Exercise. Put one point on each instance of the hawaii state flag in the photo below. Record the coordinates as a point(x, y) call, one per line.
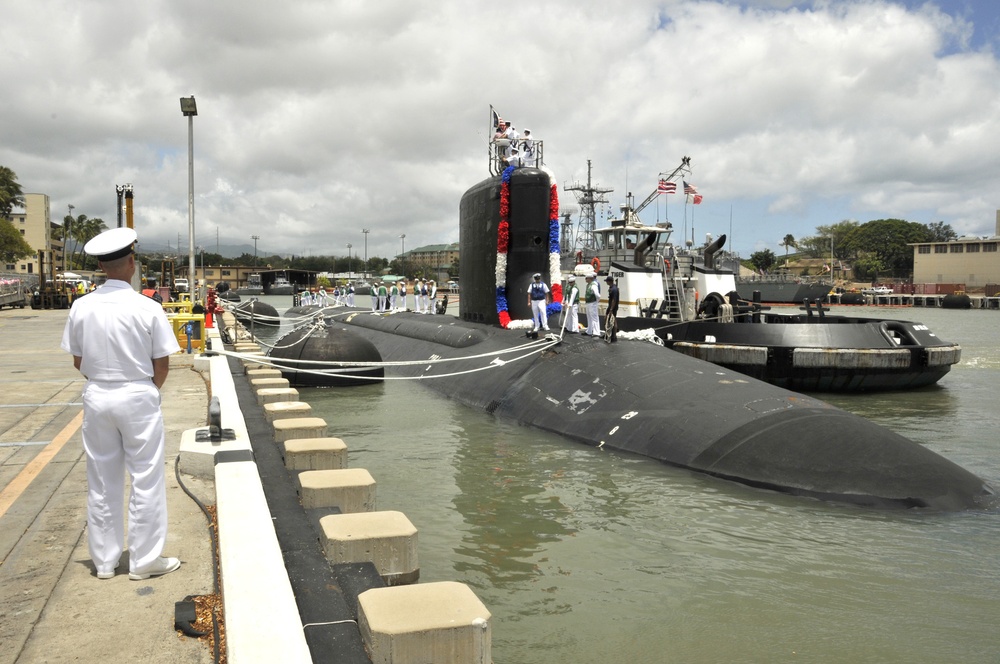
point(666, 187)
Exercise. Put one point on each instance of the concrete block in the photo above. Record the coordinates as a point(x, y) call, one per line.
point(386, 539)
point(246, 347)
point(202, 363)
point(273, 394)
point(315, 454)
point(197, 458)
point(299, 427)
point(263, 373)
point(350, 489)
point(280, 410)
point(261, 383)
point(431, 622)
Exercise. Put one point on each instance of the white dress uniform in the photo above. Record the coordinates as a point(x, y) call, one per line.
point(117, 333)
point(432, 292)
point(402, 296)
point(572, 306)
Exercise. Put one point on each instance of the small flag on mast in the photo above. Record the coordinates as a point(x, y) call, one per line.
point(666, 187)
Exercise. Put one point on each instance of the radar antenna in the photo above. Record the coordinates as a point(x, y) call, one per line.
point(587, 196)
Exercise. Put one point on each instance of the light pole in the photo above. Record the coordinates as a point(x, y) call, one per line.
point(189, 109)
point(402, 251)
point(364, 272)
point(350, 262)
point(255, 238)
point(66, 233)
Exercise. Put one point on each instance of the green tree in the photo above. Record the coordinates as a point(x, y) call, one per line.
point(12, 245)
point(788, 241)
point(887, 240)
point(941, 232)
point(11, 195)
point(763, 260)
point(819, 246)
point(84, 230)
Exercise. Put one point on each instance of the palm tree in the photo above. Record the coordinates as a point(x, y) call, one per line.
point(84, 230)
point(789, 241)
point(11, 195)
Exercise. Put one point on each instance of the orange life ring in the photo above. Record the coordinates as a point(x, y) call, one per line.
point(666, 264)
point(596, 263)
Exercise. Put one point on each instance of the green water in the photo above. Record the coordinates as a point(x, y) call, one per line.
point(594, 556)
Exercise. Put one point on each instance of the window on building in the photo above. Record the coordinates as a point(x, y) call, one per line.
point(210, 273)
point(226, 273)
point(956, 248)
point(972, 248)
point(940, 248)
point(989, 246)
point(10, 266)
point(22, 231)
point(31, 268)
point(924, 249)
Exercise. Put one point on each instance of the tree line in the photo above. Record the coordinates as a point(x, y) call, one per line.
point(875, 249)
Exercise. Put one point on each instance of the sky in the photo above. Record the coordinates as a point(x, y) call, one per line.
point(318, 119)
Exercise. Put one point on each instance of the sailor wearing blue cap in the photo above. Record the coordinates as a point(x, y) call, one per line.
point(538, 297)
point(121, 342)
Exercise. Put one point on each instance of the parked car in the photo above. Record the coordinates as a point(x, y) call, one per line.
point(877, 290)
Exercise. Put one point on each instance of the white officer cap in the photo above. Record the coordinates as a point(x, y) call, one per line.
point(536, 275)
point(112, 244)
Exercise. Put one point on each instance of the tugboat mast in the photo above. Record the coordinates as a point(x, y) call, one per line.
point(587, 196)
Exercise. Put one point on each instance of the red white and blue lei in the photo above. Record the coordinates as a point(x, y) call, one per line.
point(503, 243)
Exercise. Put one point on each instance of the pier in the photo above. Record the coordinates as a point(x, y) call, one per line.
point(311, 569)
point(908, 300)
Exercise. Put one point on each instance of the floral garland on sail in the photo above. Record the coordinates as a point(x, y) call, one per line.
point(503, 244)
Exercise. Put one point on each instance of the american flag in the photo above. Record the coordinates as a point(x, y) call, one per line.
point(689, 188)
point(666, 187)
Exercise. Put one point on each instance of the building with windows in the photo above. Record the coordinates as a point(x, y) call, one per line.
point(972, 261)
point(432, 261)
point(35, 226)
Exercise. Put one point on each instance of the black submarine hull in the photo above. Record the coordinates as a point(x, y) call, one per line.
point(679, 410)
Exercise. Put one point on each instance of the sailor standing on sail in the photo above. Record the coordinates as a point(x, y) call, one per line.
point(350, 294)
point(402, 295)
point(421, 297)
point(432, 292)
point(121, 342)
point(374, 289)
point(592, 296)
point(383, 296)
point(538, 299)
point(393, 296)
point(572, 304)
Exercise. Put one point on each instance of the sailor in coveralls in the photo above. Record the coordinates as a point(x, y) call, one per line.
point(538, 296)
point(592, 296)
point(121, 342)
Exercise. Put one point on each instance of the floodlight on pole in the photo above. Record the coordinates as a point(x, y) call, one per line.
point(189, 109)
point(350, 260)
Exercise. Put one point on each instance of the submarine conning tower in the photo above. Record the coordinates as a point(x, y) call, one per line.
point(527, 247)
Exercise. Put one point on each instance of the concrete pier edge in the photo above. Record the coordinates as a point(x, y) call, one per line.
point(323, 592)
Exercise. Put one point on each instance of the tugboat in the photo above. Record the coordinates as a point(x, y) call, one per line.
point(281, 286)
point(253, 287)
point(695, 307)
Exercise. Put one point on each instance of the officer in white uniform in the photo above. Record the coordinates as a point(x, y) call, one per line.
point(121, 342)
point(592, 297)
point(432, 292)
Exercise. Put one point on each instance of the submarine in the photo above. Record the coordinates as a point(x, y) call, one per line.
point(632, 396)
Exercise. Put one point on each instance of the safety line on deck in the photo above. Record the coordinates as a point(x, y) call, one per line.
point(13, 491)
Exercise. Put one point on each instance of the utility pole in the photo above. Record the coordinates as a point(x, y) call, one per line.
point(66, 234)
point(364, 272)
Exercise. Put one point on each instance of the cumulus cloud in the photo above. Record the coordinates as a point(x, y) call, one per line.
point(319, 118)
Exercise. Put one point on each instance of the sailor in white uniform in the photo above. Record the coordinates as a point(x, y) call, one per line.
point(592, 297)
point(538, 300)
point(432, 292)
point(571, 305)
point(121, 342)
point(402, 295)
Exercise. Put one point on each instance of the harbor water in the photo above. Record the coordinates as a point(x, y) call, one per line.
point(586, 555)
